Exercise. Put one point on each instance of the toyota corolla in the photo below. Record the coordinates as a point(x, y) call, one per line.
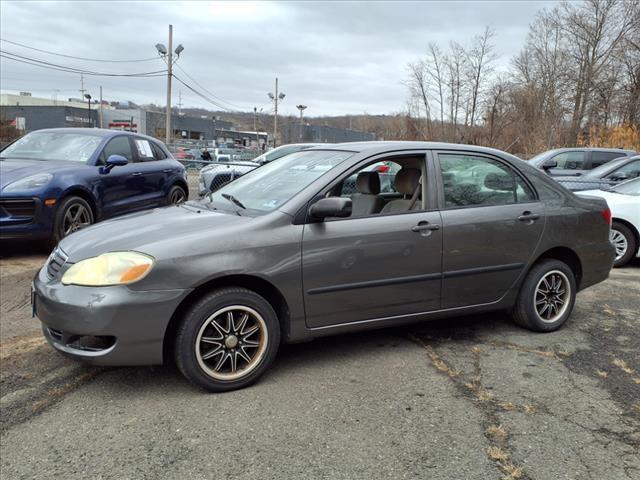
point(285, 253)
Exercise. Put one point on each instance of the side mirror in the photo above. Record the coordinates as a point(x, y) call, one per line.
point(618, 177)
point(113, 161)
point(331, 207)
point(549, 163)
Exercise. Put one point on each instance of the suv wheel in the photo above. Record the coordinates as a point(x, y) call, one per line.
point(623, 239)
point(227, 340)
point(73, 214)
point(177, 195)
point(547, 296)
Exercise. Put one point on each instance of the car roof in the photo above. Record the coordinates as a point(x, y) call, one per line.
point(381, 146)
point(101, 132)
point(622, 151)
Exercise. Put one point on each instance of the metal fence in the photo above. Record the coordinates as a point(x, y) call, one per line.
point(579, 184)
point(219, 173)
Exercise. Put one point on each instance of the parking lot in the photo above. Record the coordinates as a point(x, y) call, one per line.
point(469, 397)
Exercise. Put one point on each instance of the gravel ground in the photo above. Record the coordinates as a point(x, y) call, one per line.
point(466, 398)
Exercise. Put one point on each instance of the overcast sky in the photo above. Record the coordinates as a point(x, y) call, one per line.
point(337, 58)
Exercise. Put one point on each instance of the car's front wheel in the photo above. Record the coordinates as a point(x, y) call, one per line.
point(547, 296)
point(176, 195)
point(73, 214)
point(624, 241)
point(227, 340)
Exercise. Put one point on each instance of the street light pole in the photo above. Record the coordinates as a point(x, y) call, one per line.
point(275, 98)
point(301, 108)
point(88, 97)
point(169, 75)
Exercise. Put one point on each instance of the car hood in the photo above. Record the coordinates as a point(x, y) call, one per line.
point(12, 169)
point(160, 232)
point(228, 166)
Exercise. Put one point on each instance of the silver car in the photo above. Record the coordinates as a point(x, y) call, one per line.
point(286, 254)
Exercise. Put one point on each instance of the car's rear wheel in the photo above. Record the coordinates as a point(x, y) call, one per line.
point(227, 340)
point(177, 195)
point(547, 296)
point(73, 214)
point(624, 241)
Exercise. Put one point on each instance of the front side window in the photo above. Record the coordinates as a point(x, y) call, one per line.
point(570, 160)
point(270, 186)
point(630, 170)
point(471, 181)
point(117, 146)
point(144, 149)
point(76, 147)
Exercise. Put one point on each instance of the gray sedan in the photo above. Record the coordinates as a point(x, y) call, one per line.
point(285, 253)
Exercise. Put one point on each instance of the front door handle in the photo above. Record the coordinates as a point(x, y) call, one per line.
point(167, 170)
point(136, 174)
point(528, 217)
point(425, 228)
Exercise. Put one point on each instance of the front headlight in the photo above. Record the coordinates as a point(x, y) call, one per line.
point(29, 183)
point(113, 268)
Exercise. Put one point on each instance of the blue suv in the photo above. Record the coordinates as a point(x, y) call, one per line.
point(56, 181)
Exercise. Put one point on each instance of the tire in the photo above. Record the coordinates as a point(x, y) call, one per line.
point(625, 242)
point(68, 209)
point(176, 195)
point(201, 364)
point(529, 311)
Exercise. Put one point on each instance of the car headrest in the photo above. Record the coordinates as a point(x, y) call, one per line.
point(447, 179)
point(368, 183)
point(497, 181)
point(407, 179)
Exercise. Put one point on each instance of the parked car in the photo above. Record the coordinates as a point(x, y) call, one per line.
point(228, 168)
point(56, 181)
point(282, 253)
point(183, 153)
point(217, 174)
point(624, 202)
point(283, 150)
point(573, 162)
point(604, 176)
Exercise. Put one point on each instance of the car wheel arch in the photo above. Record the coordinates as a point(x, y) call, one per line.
point(566, 255)
point(182, 184)
point(254, 283)
point(630, 226)
point(86, 196)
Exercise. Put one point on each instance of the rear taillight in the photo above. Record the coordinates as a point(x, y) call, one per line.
point(606, 213)
point(382, 168)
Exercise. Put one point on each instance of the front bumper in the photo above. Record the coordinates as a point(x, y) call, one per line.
point(128, 326)
point(22, 217)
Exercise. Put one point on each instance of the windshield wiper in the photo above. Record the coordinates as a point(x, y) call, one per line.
point(233, 200)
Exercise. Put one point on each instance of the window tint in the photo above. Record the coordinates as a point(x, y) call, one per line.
point(158, 153)
point(600, 158)
point(117, 146)
point(631, 170)
point(570, 160)
point(470, 180)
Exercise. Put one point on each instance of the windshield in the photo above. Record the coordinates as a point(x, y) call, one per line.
point(603, 169)
point(77, 147)
point(632, 187)
point(266, 188)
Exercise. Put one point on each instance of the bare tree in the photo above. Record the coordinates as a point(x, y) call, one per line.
point(480, 58)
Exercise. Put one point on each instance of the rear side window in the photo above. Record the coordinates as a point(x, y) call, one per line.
point(600, 158)
point(117, 146)
point(473, 181)
point(570, 160)
point(158, 153)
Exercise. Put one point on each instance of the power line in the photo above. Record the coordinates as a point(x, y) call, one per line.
point(63, 68)
point(202, 95)
point(207, 91)
point(77, 58)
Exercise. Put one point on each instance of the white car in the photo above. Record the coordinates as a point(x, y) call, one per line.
point(624, 202)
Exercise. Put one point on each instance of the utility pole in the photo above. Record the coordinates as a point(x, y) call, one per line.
point(255, 127)
point(275, 98)
point(169, 75)
point(179, 102)
point(82, 90)
point(88, 97)
point(301, 108)
point(101, 107)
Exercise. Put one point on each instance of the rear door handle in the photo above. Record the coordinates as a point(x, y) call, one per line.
point(136, 174)
point(528, 217)
point(425, 228)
